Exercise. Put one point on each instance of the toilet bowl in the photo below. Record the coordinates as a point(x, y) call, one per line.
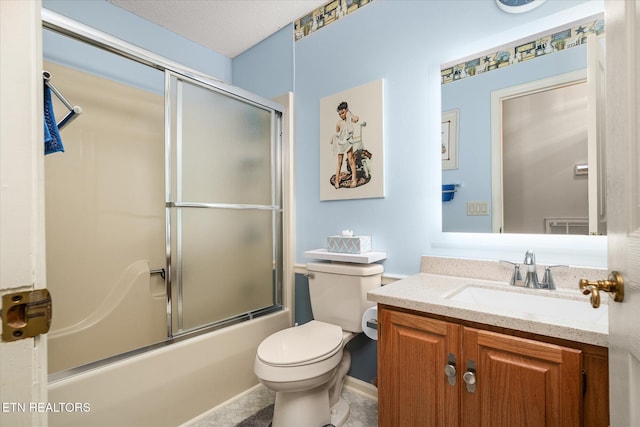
point(299, 364)
point(306, 365)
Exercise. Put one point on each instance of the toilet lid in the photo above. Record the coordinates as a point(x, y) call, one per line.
point(302, 344)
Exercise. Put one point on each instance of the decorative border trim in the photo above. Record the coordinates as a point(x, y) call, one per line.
point(547, 44)
point(325, 15)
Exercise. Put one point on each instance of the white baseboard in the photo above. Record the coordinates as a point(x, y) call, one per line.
point(362, 387)
point(353, 384)
point(221, 405)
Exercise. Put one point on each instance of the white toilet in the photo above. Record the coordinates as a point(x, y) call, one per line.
point(306, 365)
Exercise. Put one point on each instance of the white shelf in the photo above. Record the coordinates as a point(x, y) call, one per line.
point(365, 258)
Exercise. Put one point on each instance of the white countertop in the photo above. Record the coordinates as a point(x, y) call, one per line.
point(430, 293)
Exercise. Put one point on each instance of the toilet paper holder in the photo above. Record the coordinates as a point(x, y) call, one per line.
point(373, 323)
point(370, 322)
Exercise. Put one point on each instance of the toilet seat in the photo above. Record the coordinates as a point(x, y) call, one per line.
point(303, 345)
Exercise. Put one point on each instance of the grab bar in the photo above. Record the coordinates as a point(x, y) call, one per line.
point(159, 271)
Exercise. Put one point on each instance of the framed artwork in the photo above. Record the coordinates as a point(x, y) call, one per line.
point(351, 143)
point(449, 136)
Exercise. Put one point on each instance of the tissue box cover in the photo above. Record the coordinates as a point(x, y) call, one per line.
point(349, 245)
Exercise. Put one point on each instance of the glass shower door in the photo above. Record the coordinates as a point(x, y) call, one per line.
point(224, 212)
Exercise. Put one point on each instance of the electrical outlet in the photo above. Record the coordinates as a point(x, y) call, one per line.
point(477, 208)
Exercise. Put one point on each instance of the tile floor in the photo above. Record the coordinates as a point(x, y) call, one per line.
point(364, 409)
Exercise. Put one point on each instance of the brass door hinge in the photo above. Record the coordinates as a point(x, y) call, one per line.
point(25, 314)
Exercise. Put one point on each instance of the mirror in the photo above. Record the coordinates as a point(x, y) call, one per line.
point(521, 136)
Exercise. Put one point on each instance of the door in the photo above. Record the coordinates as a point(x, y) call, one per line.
point(623, 131)
point(23, 363)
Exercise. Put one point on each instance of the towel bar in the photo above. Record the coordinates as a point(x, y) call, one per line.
point(74, 111)
point(159, 271)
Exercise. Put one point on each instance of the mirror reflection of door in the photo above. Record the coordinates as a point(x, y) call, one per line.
point(544, 161)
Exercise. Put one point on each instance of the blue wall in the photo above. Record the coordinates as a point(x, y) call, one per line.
point(267, 68)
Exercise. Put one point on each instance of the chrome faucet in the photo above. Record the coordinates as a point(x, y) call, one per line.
point(531, 279)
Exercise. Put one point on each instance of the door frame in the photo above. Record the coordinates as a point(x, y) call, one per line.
point(23, 363)
point(623, 225)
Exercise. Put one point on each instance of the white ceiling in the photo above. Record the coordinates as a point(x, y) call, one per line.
point(228, 27)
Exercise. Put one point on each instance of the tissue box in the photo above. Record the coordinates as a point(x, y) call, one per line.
point(349, 245)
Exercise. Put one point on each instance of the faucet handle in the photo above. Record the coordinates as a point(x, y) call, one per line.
point(509, 262)
point(515, 276)
point(547, 279)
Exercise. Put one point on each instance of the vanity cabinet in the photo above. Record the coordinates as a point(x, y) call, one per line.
point(436, 371)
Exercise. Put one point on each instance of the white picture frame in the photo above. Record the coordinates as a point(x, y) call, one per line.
point(449, 139)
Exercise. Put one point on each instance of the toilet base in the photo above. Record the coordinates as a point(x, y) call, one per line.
point(340, 413)
point(308, 408)
point(311, 406)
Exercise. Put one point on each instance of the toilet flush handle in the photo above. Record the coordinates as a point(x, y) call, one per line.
point(310, 276)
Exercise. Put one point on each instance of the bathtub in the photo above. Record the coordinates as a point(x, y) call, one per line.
point(167, 386)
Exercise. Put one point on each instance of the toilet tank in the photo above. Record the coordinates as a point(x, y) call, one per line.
point(338, 292)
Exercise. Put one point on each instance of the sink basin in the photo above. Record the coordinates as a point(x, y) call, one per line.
point(539, 305)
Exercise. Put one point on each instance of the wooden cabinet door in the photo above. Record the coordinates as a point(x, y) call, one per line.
point(412, 386)
point(520, 382)
point(595, 401)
